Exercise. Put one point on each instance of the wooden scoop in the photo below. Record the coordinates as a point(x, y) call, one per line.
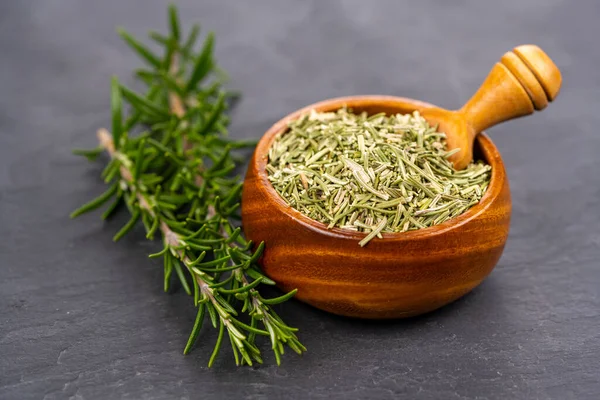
point(408, 273)
point(524, 80)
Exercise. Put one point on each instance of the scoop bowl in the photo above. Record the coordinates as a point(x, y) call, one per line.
point(400, 275)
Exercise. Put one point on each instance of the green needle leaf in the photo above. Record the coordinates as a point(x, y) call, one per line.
point(136, 114)
point(280, 299)
point(195, 234)
point(168, 267)
point(196, 329)
point(170, 47)
point(128, 226)
point(257, 253)
point(212, 313)
point(221, 161)
point(113, 207)
point(251, 272)
point(139, 159)
point(251, 329)
point(220, 269)
point(160, 253)
point(97, 202)
point(158, 38)
point(223, 283)
point(116, 107)
point(234, 235)
point(233, 195)
point(234, 348)
point(191, 40)
point(170, 82)
point(245, 355)
point(252, 335)
point(182, 278)
point(203, 63)
point(139, 48)
point(197, 260)
point(242, 289)
point(277, 357)
point(212, 263)
point(273, 335)
point(142, 103)
point(111, 171)
point(196, 289)
point(89, 154)
point(197, 247)
point(165, 150)
point(153, 228)
point(213, 117)
point(215, 352)
point(174, 21)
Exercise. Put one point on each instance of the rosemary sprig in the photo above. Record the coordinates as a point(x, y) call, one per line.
point(177, 177)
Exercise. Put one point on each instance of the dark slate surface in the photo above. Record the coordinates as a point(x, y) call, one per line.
point(83, 318)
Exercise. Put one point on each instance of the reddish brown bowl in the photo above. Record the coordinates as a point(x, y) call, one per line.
point(401, 275)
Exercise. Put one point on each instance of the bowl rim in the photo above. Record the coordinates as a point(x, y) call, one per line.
point(259, 162)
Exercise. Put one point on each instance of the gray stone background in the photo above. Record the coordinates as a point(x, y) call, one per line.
point(83, 318)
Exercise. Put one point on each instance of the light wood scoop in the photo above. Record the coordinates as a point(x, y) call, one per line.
point(524, 80)
point(408, 273)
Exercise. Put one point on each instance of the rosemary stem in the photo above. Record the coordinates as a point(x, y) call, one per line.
point(170, 238)
point(177, 177)
point(178, 108)
point(175, 102)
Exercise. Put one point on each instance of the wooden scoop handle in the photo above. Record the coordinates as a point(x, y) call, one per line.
point(524, 80)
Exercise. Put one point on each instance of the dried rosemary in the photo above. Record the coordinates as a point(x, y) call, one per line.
point(372, 174)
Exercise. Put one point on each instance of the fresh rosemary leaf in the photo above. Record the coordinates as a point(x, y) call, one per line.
point(203, 64)
point(212, 263)
point(153, 228)
point(192, 37)
point(115, 102)
point(89, 154)
point(226, 282)
point(143, 104)
point(110, 210)
point(159, 38)
point(170, 81)
point(214, 116)
point(219, 269)
point(251, 329)
point(174, 22)
point(280, 299)
point(168, 270)
point(139, 160)
point(215, 352)
point(221, 161)
point(212, 313)
point(257, 253)
point(160, 253)
point(196, 329)
point(181, 276)
point(139, 48)
point(97, 202)
point(242, 289)
point(252, 273)
point(128, 226)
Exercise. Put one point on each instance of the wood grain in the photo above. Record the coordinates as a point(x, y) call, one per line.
point(524, 80)
point(401, 275)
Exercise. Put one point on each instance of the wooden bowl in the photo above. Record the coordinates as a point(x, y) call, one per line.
point(401, 275)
